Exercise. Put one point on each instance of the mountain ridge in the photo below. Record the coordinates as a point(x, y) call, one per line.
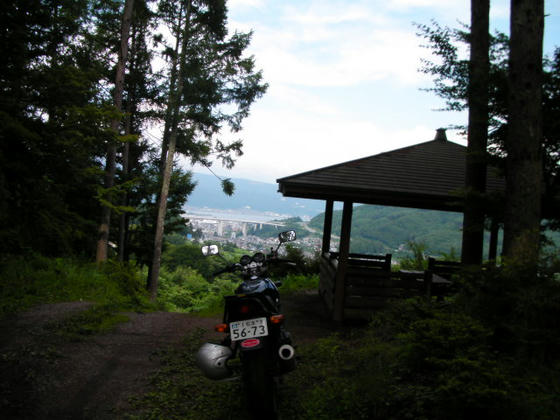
point(250, 195)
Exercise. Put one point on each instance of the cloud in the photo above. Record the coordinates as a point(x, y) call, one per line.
point(334, 44)
point(245, 3)
point(331, 65)
point(278, 145)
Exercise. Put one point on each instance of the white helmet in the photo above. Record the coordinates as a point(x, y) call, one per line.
point(212, 360)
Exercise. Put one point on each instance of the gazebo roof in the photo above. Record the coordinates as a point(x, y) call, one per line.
point(428, 175)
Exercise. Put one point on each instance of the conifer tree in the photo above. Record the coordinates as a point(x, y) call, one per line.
point(207, 71)
point(110, 165)
point(525, 133)
point(475, 174)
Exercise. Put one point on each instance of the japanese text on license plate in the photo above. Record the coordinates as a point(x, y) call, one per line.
point(249, 328)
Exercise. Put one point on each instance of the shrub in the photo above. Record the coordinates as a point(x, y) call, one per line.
point(26, 281)
point(185, 290)
point(296, 282)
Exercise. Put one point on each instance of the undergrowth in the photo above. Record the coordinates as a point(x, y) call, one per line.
point(31, 280)
point(461, 358)
point(180, 391)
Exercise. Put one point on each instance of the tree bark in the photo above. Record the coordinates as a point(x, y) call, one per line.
point(475, 176)
point(175, 99)
point(524, 139)
point(124, 217)
point(110, 166)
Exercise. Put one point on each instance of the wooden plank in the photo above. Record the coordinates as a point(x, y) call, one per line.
point(375, 291)
point(365, 302)
point(385, 282)
point(354, 314)
point(368, 272)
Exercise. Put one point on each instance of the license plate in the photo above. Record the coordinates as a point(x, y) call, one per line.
point(249, 328)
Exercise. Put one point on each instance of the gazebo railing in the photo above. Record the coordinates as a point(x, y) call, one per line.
point(360, 270)
point(369, 283)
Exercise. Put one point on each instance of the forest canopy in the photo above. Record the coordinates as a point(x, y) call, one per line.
point(59, 81)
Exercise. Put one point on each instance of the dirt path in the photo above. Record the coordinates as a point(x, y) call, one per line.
point(93, 379)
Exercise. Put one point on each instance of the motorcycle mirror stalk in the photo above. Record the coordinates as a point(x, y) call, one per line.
point(208, 250)
point(283, 237)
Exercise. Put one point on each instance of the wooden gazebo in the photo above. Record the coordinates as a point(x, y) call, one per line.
point(428, 175)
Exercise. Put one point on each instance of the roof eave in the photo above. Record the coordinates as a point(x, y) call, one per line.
point(450, 202)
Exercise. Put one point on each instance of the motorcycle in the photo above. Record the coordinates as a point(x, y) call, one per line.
point(255, 330)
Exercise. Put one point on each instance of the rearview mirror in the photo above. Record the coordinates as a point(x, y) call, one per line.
point(210, 250)
point(288, 236)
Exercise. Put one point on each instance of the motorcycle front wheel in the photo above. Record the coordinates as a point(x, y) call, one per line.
point(261, 388)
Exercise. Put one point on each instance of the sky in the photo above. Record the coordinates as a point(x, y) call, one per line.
point(344, 80)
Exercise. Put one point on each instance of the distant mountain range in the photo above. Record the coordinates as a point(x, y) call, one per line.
point(250, 196)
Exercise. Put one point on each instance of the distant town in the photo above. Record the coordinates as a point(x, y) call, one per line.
point(247, 230)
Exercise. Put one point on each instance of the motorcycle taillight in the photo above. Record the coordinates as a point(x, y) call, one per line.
point(244, 309)
point(221, 328)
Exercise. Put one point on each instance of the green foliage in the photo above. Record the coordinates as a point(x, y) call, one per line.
point(299, 282)
point(228, 187)
point(418, 260)
point(54, 125)
point(144, 199)
point(489, 350)
point(36, 279)
point(189, 255)
point(185, 290)
point(451, 78)
point(423, 362)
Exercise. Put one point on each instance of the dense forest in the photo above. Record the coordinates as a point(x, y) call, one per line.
point(82, 84)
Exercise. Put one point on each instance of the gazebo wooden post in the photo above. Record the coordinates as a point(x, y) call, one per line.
point(493, 249)
point(344, 252)
point(327, 227)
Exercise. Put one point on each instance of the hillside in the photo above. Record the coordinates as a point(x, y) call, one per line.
point(381, 229)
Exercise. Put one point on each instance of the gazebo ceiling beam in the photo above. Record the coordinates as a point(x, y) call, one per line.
point(385, 198)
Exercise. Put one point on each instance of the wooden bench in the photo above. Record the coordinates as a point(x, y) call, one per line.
point(368, 283)
point(439, 276)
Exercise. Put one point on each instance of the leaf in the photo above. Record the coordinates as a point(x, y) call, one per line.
point(228, 187)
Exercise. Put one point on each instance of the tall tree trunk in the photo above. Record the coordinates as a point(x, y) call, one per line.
point(475, 177)
point(175, 103)
point(123, 217)
point(523, 145)
point(168, 123)
point(110, 165)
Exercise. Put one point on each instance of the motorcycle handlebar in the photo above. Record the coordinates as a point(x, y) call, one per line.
point(228, 269)
point(280, 260)
point(236, 266)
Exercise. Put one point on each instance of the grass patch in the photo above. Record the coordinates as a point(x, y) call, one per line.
point(96, 320)
point(299, 282)
point(35, 280)
point(180, 391)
